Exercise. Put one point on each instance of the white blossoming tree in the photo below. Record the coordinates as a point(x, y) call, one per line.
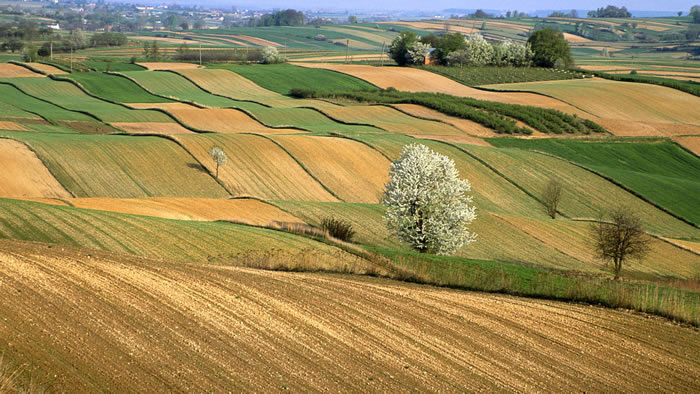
point(219, 157)
point(416, 52)
point(426, 202)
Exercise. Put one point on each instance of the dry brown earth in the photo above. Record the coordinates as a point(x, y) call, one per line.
point(168, 66)
point(107, 322)
point(152, 128)
point(22, 174)
point(249, 211)
point(416, 80)
point(46, 68)
point(224, 121)
point(9, 70)
point(691, 143)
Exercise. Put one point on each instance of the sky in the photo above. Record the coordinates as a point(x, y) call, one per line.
point(524, 5)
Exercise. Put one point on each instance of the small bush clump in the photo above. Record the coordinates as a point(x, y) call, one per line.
point(337, 228)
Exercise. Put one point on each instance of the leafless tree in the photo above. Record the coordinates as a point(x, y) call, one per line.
point(551, 196)
point(620, 236)
point(219, 157)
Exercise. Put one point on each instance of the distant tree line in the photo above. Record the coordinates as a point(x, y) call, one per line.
point(453, 49)
point(287, 17)
point(610, 12)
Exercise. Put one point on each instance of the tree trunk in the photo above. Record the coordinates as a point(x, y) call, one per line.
point(217, 171)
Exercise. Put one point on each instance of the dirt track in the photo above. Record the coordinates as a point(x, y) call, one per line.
point(86, 321)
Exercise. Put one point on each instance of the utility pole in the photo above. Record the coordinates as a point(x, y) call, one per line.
point(200, 54)
point(381, 55)
point(71, 59)
point(51, 50)
point(347, 51)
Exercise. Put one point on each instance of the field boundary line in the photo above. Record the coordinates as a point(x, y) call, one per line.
point(490, 167)
point(28, 67)
point(181, 145)
point(655, 236)
point(336, 135)
point(57, 105)
point(194, 104)
point(42, 162)
point(341, 121)
point(300, 164)
point(537, 93)
point(215, 94)
point(618, 184)
point(393, 106)
point(166, 113)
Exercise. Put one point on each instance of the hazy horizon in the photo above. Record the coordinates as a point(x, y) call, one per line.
point(435, 5)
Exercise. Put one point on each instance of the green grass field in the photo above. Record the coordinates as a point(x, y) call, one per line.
point(17, 99)
point(122, 166)
point(174, 85)
point(660, 171)
point(475, 76)
point(71, 97)
point(176, 240)
point(282, 78)
point(115, 88)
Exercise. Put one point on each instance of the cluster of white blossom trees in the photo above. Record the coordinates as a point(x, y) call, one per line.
point(457, 50)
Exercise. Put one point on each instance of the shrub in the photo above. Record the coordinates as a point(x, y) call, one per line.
point(270, 55)
point(337, 228)
point(303, 93)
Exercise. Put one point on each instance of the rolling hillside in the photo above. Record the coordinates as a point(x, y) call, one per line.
point(165, 326)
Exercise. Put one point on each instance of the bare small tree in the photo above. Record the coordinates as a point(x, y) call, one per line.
point(219, 157)
point(551, 196)
point(620, 236)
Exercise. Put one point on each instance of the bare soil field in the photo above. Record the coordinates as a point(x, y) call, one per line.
point(7, 125)
point(168, 66)
point(244, 210)
point(9, 70)
point(620, 100)
point(120, 323)
point(352, 170)
point(47, 68)
point(24, 175)
point(224, 121)
point(257, 167)
point(152, 128)
point(692, 143)
point(165, 106)
point(469, 127)
point(415, 80)
point(389, 119)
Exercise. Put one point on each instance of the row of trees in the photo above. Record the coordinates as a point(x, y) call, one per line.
point(287, 17)
point(610, 12)
point(545, 48)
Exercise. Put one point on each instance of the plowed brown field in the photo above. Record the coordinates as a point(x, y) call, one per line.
point(467, 126)
point(415, 80)
point(46, 68)
point(152, 128)
point(257, 167)
point(107, 322)
point(389, 119)
point(168, 66)
point(352, 170)
point(7, 125)
point(249, 211)
point(22, 174)
point(224, 121)
point(692, 143)
point(9, 70)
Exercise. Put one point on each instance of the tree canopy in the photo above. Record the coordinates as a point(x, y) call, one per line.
point(550, 49)
point(426, 202)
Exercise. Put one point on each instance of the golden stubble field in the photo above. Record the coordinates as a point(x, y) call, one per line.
point(92, 321)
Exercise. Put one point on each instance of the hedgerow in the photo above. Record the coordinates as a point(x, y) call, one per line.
point(497, 116)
